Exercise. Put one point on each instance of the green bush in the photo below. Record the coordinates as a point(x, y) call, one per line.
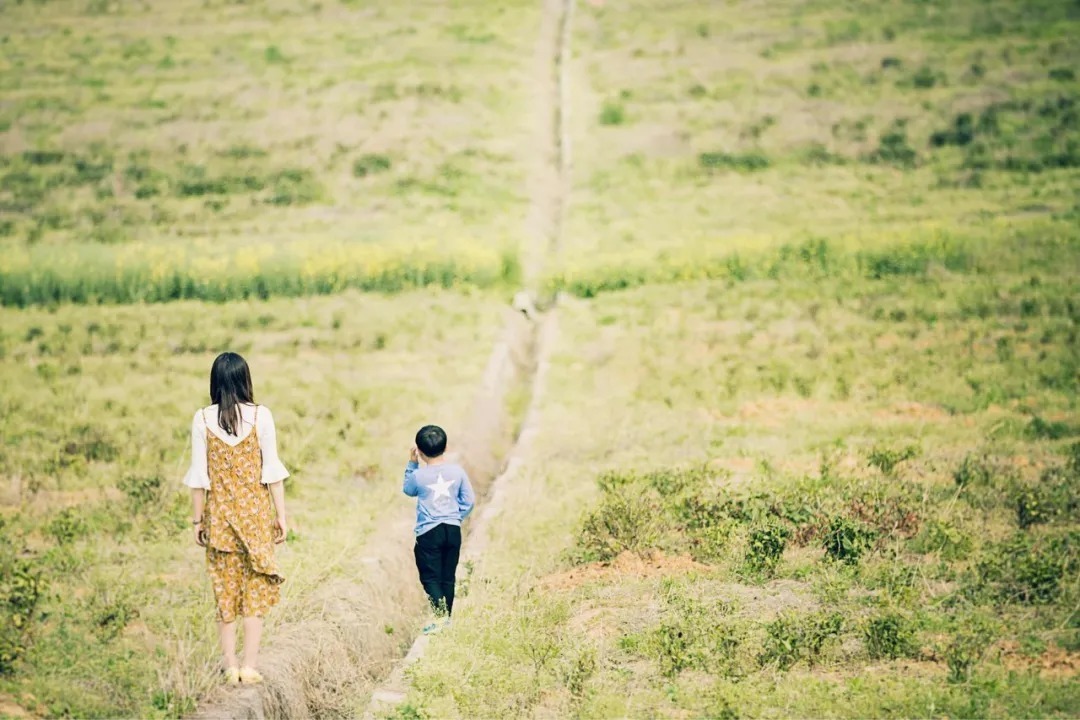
point(741, 162)
point(1072, 461)
point(371, 164)
point(974, 470)
point(294, 187)
point(1056, 496)
point(622, 522)
point(708, 544)
point(693, 634)
point(765, 547)
point(966, 650)
point(67, 526)
point(612, 113)
point(1041, 429)
point(684, 644)
point(960, 134)
point(21, 588)
point(926, 77)
point(142, 491)
point(893, 149)
point(91, 444)
point(791, 638)
point(886, 459)
point(1028, 569)
point(671, 482)
point(846, 540)
point(889, 635)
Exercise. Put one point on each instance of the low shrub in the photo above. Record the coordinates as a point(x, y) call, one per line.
point(893, 149)
point(966, 650)
point(974, 470)
point(1072, 460)
point(898, 579)
point(612, 113)
point(927, 77)
point(791, 638)
point(693, 635)
point(741, 162)
point(941, 537)
point(1029, 570)
point(22, 586)
point(577, 671)
point(887, 459)
point(1040, 429)
point(622, 522)
point(889, 635)
point(371, 164)
point(1056, 496)
point(846, 540)
point(67, 526)
point(960, 134)
point(142, 491)
point(765, 547)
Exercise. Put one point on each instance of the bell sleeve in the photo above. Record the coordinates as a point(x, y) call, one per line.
point(197, 476)
point(272, 468)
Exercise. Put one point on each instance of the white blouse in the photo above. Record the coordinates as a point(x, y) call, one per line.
point(272, 469)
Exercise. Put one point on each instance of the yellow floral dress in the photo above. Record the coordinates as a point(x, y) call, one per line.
point(239, 521)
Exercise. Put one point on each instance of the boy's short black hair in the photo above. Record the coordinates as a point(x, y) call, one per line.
point(431, 440)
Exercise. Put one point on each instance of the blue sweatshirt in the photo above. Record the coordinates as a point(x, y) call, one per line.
point(443, 494)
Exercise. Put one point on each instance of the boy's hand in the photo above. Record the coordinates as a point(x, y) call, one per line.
point(414, 455)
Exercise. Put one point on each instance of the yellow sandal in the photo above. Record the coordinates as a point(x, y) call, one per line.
point(232, 676)
point(250, 676)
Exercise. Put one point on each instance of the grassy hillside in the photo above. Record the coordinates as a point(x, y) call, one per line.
point(802, 497)
point(221, 150)
point(239, 153)
point(810, 444)
point(109, 605)
point(703, 131)
point(831, 467)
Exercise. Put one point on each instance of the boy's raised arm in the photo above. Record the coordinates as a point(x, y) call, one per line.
point(466, 498)
point(409, 487)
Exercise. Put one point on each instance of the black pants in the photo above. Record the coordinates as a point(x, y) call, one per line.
point(436, 554)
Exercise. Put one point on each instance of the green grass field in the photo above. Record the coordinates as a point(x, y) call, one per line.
point(831, 469)
point(789, 497)
point(95, 419)
point(809, 444)
point(224, 151)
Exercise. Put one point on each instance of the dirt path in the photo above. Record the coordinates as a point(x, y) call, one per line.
point(549, 185)
point(319, 665)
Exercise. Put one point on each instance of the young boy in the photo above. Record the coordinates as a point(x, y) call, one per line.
point(444, 497)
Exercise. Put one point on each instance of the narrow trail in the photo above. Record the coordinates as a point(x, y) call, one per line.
point(337, 649)
point(549, 200)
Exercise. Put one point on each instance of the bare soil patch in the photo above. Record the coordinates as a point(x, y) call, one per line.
point(654, 564)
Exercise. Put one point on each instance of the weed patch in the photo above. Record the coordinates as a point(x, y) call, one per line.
point(889, 636)
point(794, 638)
point(1029, 570)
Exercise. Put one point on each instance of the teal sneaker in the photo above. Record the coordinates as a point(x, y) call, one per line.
point(431, 628)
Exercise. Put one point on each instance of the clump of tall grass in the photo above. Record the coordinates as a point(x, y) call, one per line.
point(915, 254)
point(165, 272)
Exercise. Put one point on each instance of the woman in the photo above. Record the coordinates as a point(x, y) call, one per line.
point(236, 486)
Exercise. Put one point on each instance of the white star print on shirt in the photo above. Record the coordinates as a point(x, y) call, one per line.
point(441, 486)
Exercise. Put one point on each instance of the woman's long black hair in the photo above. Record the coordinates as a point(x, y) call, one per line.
point(230, 385)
